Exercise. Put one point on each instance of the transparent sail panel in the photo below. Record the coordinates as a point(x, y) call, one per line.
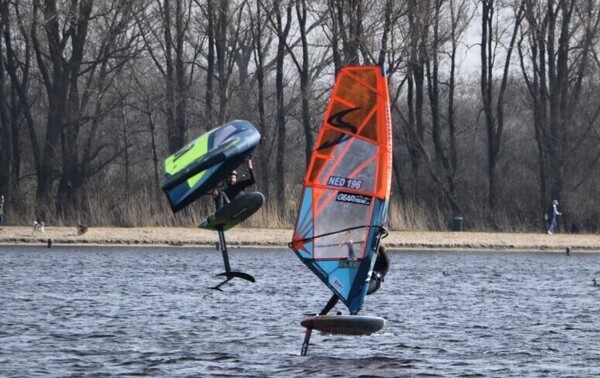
point(357, 168)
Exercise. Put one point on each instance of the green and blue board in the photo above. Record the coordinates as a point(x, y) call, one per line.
point(199, 167)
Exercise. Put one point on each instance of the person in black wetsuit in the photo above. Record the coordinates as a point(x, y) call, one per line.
point(233, 187)
point(380, 270)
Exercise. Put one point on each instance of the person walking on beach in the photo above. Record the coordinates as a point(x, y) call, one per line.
point(380, 269)
point(551, 216)
point(1, 210)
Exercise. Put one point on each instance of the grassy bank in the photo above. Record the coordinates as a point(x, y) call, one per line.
point(280, 237)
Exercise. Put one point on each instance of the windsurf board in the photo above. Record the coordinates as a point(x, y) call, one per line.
point(234, 212)
point(344, 324)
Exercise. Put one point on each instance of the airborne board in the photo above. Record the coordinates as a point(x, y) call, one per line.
point(344, 324)
point(200, 166)
point(234, 212)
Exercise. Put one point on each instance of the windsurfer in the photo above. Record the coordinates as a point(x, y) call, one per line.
point(234, 187)
point(380, 270)
point(382, 265)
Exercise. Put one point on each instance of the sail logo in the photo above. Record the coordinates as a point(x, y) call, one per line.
point(353, 198)
point(337, 284)
point(348, 264)
point(342, 182)
point(337, 120)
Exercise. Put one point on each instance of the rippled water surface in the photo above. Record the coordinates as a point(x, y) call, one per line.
point(97, 311)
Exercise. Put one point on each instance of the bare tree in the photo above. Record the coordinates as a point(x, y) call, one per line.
point(261, 39)
point(80, 105)
point(303, 70)
point(224, 60)
point(168, 51)
point(494, 121)
point(347, 38)
point(555, 59)
point(60, 68)
point(18, 66)
point(70, 74)
point(307, 71)
point(419, 18)
point(5, 121)
point(146, 102)
point(210, 60)
point(456, 15)
point(282, 30)
point(460, 16)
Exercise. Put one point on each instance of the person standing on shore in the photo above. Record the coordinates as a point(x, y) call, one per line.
point(552, 215)
point(1, 210)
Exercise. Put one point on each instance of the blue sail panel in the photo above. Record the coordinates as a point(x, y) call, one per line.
point(342, 276)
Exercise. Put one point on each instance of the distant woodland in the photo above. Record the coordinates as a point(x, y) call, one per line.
point(495, 104)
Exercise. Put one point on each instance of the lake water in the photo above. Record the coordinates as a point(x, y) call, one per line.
point(100, 311)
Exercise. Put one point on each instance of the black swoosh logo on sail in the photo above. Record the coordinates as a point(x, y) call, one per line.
point(337, 120)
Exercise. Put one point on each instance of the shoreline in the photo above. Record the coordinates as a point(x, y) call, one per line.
point(279, 238)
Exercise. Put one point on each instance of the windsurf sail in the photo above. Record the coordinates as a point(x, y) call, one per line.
point(347, 186)
point(200, 166)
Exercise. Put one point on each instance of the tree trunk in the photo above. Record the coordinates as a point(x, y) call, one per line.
point(56, 79)
point(301, 13)
point(258, 29)
point(71, 178)
point(222, 58)
point(282, 33)
point(5, 123)
point(172, 132)
point(181, 88)
point(210, 64)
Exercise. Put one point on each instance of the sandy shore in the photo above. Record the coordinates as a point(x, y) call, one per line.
point(183, 236)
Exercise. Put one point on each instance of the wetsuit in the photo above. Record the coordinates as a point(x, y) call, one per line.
point(382, 265)
point(231, 192)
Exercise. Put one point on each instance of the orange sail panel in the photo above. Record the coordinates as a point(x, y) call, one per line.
point(347, 185)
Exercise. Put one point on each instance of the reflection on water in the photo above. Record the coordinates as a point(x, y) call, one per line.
point(148, 311)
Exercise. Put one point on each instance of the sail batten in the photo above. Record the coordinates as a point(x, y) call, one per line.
point(347, 185)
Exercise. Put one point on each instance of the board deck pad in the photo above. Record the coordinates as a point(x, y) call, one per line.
point(344, 324)
point(236, 211)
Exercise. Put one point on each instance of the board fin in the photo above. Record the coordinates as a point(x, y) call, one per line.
point(306, 342)
point(229, 274)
